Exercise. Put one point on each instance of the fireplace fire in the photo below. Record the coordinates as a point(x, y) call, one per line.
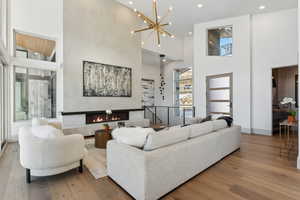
point(100, 117)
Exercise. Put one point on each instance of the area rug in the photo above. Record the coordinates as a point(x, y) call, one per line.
point(95, 161)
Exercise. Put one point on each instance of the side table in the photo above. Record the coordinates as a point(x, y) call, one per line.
point(287, 136)
point(102, 137)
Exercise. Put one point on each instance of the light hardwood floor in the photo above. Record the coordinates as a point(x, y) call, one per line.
point(255, 172)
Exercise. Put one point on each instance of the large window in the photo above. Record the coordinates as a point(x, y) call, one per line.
point(219, 41)
point(183, 87)
point(32, 47)
point(35, 93)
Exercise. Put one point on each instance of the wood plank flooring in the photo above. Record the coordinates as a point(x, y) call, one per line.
point(255, 172)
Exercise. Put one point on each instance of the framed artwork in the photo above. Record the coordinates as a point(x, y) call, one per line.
point(102, 80)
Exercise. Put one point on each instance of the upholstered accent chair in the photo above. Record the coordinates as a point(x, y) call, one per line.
point(45, 151)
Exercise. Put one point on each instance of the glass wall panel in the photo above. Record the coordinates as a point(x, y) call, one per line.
point(219, 94)
point(35, 93)
point(222, 82)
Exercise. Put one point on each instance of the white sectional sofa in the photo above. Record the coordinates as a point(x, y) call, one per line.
point(149, 175)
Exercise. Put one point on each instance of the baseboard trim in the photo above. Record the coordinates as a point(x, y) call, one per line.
point(262, 132)
point(246, 130)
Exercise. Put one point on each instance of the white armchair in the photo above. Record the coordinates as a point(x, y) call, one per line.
point(45, 157)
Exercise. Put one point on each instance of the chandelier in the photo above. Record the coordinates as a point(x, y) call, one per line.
point(157, 25)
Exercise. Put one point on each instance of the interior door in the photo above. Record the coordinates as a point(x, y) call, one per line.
point(219, 95)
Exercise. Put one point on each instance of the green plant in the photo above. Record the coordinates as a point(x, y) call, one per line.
point(293, 113)
point(105, 126)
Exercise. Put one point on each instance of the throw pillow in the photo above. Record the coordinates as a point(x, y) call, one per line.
point(132, 136)
point(219, 124)
point(39, 122)
point(46, 132)
point(229, 120)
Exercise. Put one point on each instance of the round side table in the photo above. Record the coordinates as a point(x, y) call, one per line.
point(102, 137)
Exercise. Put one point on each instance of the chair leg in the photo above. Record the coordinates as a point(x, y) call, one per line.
point(81, 166)
point(28, 176)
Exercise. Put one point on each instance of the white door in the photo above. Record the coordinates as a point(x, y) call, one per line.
point(219, 95)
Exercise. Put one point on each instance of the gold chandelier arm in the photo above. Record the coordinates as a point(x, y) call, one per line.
point(155, 11)
point(158, 36)
point(143, 17)
point(162, 31)
point(166, 24)
point(144, 29)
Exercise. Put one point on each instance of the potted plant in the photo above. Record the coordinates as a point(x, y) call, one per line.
point(292, 113)
point(106, 127)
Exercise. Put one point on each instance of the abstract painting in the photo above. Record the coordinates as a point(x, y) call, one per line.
point(148, 92)
point(102, 80)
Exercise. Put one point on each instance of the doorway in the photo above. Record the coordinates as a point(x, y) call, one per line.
point(219, 95)
point(284, 85)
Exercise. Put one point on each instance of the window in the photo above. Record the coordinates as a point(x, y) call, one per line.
point(183, 87)
point(219, 41)
point(36, 48)
point(35, 93)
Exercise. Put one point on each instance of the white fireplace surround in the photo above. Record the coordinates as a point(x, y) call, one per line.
point(77, 123)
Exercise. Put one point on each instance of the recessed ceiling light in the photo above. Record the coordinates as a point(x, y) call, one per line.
point(200, 5)
point(262, 7)
point(170, 8)
point(130, 2)
point(190, 33)
point(164, 60)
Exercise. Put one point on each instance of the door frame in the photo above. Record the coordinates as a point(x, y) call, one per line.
point(230, 75)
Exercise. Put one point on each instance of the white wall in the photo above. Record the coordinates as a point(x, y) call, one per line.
point(275, 37)
point(188, 51)
point(99, 31)
point(238, 64)
point(152, 72)
point(37, 16)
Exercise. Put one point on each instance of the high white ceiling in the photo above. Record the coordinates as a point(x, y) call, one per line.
point(186, 13)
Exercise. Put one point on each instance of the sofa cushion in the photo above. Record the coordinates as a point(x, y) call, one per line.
point(46, 132)
point(132, 136)
point(194, 120)
point(219, 124)
point(201, 129)
point(166, 137)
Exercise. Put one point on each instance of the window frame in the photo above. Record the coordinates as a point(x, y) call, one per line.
point(14, 47)
point(27, 83)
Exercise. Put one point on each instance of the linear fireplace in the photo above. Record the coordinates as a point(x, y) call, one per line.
point(101, 116)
